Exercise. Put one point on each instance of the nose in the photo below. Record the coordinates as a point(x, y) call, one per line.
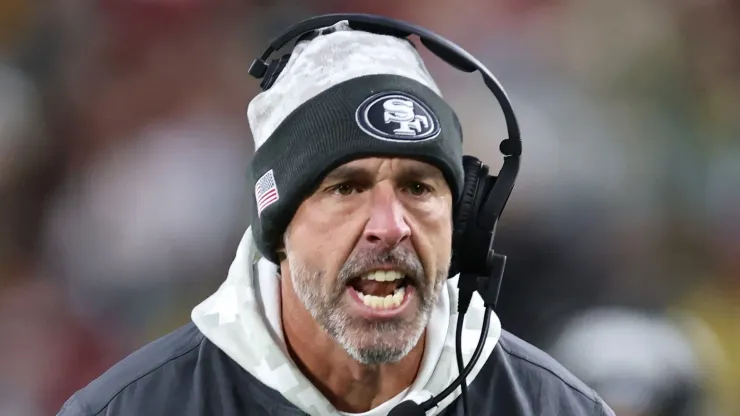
point(386, 226)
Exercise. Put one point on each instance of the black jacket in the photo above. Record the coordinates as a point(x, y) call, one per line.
point(184, 374)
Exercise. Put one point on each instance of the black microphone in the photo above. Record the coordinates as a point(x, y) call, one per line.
point(488, 287)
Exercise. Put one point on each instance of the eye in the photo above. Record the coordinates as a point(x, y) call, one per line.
point(345, 189)
point(418, 188)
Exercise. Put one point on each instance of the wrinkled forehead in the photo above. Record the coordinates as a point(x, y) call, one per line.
point(381, 168)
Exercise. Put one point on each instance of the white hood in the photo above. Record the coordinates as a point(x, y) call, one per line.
point(243, 319)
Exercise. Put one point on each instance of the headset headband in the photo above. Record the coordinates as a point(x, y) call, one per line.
point(441, 47)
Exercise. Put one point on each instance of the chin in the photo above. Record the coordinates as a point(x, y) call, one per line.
point(377, 355)
point(373, 343)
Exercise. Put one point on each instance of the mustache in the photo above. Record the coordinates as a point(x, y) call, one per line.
point(400, 258)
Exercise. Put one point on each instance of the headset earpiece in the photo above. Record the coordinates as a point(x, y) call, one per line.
point(466, 249)
point(464, 209)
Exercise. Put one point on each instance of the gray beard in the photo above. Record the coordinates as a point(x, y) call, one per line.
point(367, 342)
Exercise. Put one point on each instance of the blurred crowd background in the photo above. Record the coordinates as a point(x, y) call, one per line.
point(124, 145)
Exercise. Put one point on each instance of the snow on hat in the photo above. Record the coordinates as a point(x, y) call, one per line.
point(344, 94)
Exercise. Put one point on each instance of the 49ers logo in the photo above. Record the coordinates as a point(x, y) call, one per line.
point(397, 116)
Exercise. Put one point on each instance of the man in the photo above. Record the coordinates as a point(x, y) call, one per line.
point(357, 168)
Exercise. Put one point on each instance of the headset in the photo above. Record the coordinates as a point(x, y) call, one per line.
point(484, 196)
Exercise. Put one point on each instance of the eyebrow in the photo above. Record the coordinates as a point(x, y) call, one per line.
point(419, 172)
point(347, 172)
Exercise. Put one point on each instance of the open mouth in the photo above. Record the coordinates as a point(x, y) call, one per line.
point(382, 289)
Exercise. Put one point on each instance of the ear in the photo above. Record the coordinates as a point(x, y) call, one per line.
point(282, 259)
point(280, 251)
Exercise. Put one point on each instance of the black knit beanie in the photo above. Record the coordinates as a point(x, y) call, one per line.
point(343, 95)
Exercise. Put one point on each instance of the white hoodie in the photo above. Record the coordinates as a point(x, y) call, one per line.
point(249, 331)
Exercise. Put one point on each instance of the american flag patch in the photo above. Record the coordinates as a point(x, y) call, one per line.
point(265, 191)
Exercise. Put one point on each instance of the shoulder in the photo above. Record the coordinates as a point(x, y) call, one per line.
point(167, 357)
point(522, 379)
point(528, 359)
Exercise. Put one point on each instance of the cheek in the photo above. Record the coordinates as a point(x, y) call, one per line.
point(444, 242)
point(441, 242)
point(432, 236)
point(323, 238)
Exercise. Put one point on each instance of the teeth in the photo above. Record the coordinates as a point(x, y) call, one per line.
point(387, 302)
point(384, 276)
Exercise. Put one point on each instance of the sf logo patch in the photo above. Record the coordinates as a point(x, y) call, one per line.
point(397, 116)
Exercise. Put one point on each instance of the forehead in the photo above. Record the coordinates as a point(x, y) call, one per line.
point(386, 167)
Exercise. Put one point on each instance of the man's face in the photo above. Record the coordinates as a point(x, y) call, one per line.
point(368, 252)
